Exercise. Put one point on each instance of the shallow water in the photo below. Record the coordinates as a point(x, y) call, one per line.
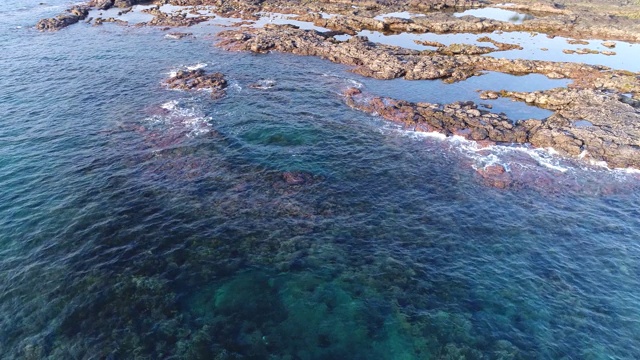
point(496, 14)
point(436, 91)
point(535, 47)
point(138, 222)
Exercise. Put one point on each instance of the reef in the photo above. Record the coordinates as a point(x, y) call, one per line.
point(198, 80)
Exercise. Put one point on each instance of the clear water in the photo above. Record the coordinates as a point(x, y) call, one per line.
point(138, 222)
point(534, 47)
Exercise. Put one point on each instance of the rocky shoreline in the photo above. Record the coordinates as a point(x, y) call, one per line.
point(594, 118)
point(607, 130)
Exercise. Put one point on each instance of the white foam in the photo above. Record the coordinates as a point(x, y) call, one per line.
point(484, 156)
point(424, 134)
point(187, 120)
point(198, 126)
point(545, 157)
point(170, 105)
point(174, 72)
point(356, 84)
point(349, 81)
point(197, 66)
point(628, 170)
point(600, 164)
point(264, 84)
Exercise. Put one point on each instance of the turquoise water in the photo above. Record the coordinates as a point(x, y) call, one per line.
point(138, 222)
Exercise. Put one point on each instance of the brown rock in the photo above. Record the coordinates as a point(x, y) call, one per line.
point(198, 79)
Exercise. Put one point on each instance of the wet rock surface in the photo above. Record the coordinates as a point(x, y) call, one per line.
point(389, 62)
point(595, 91)
point(198, 80)
point(172, 20)
point(69, 17)
point(613, 134)
point(178, 35)
point(459, 118)
point(613, 138)
point(573, 19)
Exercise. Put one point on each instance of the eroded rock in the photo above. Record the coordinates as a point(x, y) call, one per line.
point(389, 62)
point(198, 80)
point(69, 17)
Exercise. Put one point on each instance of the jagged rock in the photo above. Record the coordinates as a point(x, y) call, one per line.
point(613, 137)
point(177, 35)
point(71, 16)
point(389, 62)
point(198, 79)
point(101, 4)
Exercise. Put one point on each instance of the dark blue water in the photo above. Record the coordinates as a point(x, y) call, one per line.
point(139, 222)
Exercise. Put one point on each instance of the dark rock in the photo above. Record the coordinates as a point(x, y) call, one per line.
point(71, 16)
point(177, 35)
point(101, 4)
point(198, 79)
point(263, 84)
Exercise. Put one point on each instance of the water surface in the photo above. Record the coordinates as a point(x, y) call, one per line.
point(139, 222)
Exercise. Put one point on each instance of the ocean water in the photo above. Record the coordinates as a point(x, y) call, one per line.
point(138, 222)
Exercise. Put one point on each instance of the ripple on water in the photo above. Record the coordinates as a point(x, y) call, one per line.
point(295, 227)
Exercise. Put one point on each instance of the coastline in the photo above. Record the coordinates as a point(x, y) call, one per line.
point(594, 118)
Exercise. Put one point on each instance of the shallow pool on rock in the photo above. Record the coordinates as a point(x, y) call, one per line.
point(436, 91)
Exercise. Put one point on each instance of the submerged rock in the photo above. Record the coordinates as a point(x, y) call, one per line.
point(297, 177)
point(177, 35)
point(495, 175)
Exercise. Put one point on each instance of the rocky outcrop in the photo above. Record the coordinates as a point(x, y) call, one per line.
point(389, 62)
point(107, 4)
point(99, 21)
point(460, 118)
point(198, 80)
point(587, 124)
point(71, 16)
point(468, 49)
point(569, 25)
point(172, 20)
